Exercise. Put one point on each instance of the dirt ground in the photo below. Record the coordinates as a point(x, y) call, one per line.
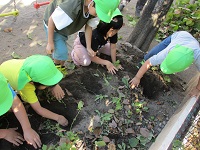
point(118, 113)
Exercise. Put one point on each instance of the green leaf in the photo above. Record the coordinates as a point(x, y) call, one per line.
point(80, 105)
point(15, 55)
point(100, 143)
point(133, 142)
point(96, 74)
point(44, 147)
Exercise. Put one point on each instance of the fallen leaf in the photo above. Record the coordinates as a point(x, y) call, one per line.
point(144, 132)
point(111, 111)
point(97, 131)
point(138, 123)
point(89, 136)
point(7, 30)
point(68, 93)
point(111, 146)
point(113, 124)
point(129, 131)
point(126, 102)
point(106, 139)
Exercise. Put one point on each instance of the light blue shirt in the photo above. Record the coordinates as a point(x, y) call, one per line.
point(182, 38)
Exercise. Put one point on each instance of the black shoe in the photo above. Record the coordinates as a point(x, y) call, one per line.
point(121, 7)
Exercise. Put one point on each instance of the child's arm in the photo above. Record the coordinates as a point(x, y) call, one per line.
point(50, 44)
point(29, 134)
point(88, 39)
point(111, 68)
point(49, 114)
point(136, 80)
point(113, 48)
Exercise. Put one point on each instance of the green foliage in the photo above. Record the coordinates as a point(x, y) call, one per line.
point(122, 146)
point(125, 81)
point(117, 102)
point(100, 143)
point(133, 142)
point(100, 97)
point(181, 16)
point(80, 106)
point(177, 145)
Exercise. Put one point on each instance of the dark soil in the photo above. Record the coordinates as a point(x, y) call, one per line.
point(85, 84)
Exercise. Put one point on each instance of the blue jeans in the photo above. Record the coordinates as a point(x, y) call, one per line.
point(61, 51)
point(158, 48)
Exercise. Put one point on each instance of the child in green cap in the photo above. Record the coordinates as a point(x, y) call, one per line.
point(104, 39)
point(63, 18)
point(8, 100)
point(174, 54)
point(37, 71)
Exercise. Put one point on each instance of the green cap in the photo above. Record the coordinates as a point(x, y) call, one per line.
point(6, 97)
point(105, 9)
point(117, 12)
point(39, 68)
point(177, 60)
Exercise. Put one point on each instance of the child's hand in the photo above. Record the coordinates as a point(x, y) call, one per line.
point(111, 68)
point(14, 137)
point(58, 92)
point(62, 120)
point(134, 82)
point(32, 138)
point(50, 48)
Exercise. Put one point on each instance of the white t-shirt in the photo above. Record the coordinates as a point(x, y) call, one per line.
point(182, 38)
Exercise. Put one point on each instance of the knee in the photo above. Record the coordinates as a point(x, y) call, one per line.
point(79, 58)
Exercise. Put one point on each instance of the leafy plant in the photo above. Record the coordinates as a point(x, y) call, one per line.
point(117, 63)
point(80, 106)
point(117, 102)
point(181, 16)
point(100, 97)
point(177, 145)
point(139, 107)
point(133, 142)
point(104, 117)
point(122, 146)
point(125, 81)
point(100, 143)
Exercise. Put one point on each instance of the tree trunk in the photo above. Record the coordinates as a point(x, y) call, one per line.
point(148, 24)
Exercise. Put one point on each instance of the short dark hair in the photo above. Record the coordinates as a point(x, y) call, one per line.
point(116, 23)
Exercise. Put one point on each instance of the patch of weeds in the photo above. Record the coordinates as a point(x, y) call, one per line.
point(120, 37)
point(140, 107)
point(125, 81)
point(117, 102)
point(100, 143)
point(144, 140)
point(100, 97)
point(104, 117)
point(117, 63)
point(133, 142)
point(122, 146)
point(177, 145)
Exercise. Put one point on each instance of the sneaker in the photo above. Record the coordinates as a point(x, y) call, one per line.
point(62, 69)
point(139, 65)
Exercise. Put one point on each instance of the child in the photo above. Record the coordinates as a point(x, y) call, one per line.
point(100, 36)
point(175, 54)
point(74, 15)
point(24, 75)
point(9, 100)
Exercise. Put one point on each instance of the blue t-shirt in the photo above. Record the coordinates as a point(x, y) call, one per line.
point(13, 92)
